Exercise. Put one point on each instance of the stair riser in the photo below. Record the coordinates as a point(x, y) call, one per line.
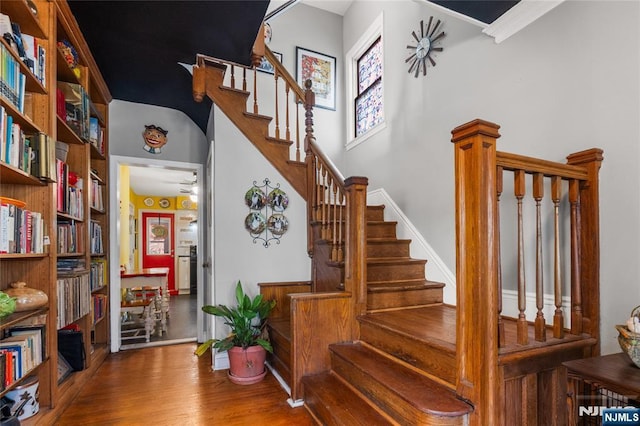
point(281, 347)
point(432, 360)
point(397, 248)
point(383, 397)
point(400, 298)
point(374, 230)
point(374, 213)
point(377, 272)
point(283, 370)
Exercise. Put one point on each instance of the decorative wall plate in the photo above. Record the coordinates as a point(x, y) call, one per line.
point(255, 223)
point(278, 200)
point(164, 203)
point(148, 201)
point(185, 203)
point(277, 224)
point(255, 198)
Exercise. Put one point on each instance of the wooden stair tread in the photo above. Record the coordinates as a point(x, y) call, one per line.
point(235, 90)
point(280, 141)
point(434, 325)
point(417, 284)
point(258, 116)
point(327, 396)
point(417, 390)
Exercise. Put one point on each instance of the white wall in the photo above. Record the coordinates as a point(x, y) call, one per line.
point(568, 82)
point(185, 141)
point(236, 257)
point(320, 31)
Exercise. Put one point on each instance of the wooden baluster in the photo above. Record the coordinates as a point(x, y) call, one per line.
point(576, 295)
point(311, 164)
point(499, 188)
point(286, 104)
point(341, 200)
point(522, 329)
point(255, 91)
point(558, 316)
point(318, 202)
point(325, 207)
point(275, 76)
point(244, 79)
point(297, 132)
point(334, 230)
point(538, 193)
point(233, 76)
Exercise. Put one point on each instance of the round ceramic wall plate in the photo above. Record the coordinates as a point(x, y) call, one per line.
point(164, 203)
point(148, 201)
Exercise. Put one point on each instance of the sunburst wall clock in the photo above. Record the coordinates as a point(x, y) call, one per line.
point(421, 53)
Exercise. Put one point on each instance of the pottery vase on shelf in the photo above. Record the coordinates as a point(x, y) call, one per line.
point(26, 298)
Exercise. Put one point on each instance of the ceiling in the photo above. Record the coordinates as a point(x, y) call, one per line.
point(138, 46)
point(160, 182)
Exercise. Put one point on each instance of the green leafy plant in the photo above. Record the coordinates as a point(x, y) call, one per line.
point(248, 320)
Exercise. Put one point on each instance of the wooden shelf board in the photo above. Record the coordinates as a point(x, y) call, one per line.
point(18, 317)
point(13, 175)
point(24, 121)
point(65, 134)
point(26, 256)
point(19, 11)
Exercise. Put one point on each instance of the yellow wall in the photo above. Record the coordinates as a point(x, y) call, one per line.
point(124, 217)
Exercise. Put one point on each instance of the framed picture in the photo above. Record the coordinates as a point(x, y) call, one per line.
point(266, 66)
point(321, 69)
point(64, 369)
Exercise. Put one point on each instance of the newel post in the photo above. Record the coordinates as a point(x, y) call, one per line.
point(355, 272)
point(476, 270)
point(589, 242)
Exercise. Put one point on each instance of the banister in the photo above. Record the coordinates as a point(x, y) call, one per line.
point(530, 165)
point(331, 168)
point(282, 72)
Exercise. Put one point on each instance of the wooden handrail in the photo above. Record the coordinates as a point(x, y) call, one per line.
point(532, 165)
point(282, 72)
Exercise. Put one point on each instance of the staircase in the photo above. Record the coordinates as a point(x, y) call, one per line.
point(368, 339)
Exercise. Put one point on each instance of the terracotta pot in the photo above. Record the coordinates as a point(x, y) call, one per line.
point(246, 366)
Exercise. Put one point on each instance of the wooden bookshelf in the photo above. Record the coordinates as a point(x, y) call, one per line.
point(55, 22)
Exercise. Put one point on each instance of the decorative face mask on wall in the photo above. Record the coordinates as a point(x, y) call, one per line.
point(155, 138)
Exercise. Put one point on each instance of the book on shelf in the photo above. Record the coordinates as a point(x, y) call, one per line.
point(77, 112)
point(98, 273)
point(21, 230)
point(38, 333)
point(74, 298)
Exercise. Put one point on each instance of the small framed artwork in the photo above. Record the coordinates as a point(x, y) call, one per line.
point(266, 66)
point(64, 368)
point(321, 70)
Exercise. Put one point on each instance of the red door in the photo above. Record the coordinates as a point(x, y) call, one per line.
point(158, 244)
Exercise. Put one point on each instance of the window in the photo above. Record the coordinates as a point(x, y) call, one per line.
point(368, 102)
point(365, 68)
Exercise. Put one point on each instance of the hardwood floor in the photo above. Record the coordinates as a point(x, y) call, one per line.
point(169, 385)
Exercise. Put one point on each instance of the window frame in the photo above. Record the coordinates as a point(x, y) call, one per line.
point(363, 93)
point(359, 49)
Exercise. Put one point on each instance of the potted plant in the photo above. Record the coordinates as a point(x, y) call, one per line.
point(247, 343)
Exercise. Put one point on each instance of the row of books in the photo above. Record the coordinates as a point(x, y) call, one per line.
point(70, 236)
point(69, 190)
point(12, 81)
point(96, 134)
point(77, 112)
point(31, 50)
point(95, 196)
point(66, 266)
point(96, 245)
point(32, 153)
point(99, 307)
point(22, 348)
point(21, 230)
point(74, 298)
point(98, 273)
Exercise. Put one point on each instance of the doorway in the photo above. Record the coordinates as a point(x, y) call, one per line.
point(153, 230)
point(158, 247)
